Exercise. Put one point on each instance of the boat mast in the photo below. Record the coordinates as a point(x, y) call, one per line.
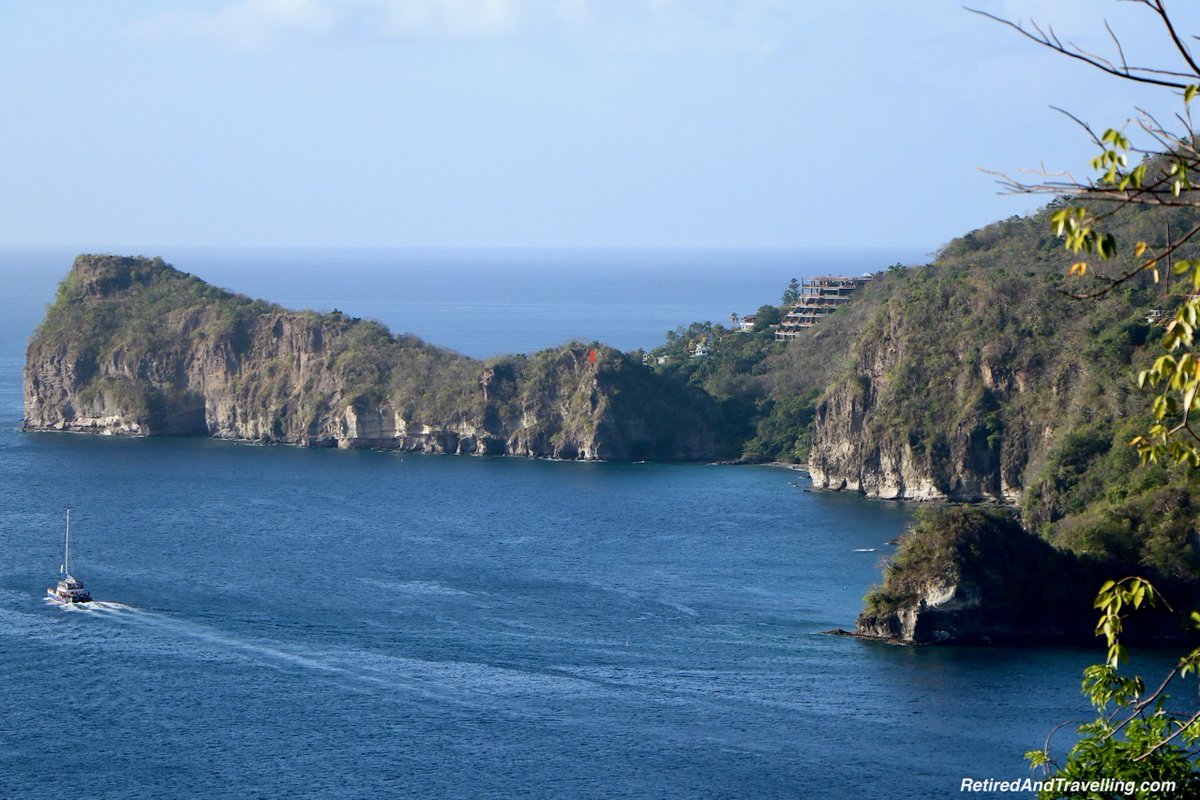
point(67, 550)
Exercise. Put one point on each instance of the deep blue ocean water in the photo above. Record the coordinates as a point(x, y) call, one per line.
point(277, 622)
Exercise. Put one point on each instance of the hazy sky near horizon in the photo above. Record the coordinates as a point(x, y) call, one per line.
point(698, 123)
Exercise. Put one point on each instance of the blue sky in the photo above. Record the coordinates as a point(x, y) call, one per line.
point(695, 123)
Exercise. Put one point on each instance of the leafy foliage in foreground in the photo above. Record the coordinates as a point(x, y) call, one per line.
point(1139, 737)
point(1136, 736)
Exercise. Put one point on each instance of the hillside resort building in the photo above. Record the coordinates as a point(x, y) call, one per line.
point(819, 297)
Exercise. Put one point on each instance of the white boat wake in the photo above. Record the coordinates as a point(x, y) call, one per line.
point(461, 685)
point(96, 607)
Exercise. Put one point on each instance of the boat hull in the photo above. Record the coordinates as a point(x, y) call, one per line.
point(70, 599)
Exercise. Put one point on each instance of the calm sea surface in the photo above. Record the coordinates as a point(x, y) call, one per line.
point(278, 622)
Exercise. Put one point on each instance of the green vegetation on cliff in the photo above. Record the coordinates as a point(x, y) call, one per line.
point(972, 573)
point(974, 377)
point(991, 374)
point(132, 345)
point(766, 390)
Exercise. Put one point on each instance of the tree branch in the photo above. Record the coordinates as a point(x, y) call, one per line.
point(1113, 283)
point(1179, 45)
point(1191, 721)
point(1048, 39)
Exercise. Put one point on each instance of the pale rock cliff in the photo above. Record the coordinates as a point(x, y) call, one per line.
point(134, 347)
point(971, 438)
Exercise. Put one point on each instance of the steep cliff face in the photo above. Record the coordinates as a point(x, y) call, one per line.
point(878, 432)
point(135, 347)
point(962, 379)
point(978, 378)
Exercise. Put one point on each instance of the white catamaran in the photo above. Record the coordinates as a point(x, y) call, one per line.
point(69, 590)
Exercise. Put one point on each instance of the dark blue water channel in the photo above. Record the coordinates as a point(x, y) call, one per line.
point(277, 622)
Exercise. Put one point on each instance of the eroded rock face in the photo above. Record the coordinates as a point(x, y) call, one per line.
point(134, 347)
point(864, 439)
point(943, 613)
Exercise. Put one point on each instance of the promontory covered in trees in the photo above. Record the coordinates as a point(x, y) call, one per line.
point(973, 378)
point(134, 346)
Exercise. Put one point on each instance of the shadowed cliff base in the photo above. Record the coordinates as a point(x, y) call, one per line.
point(971, 575)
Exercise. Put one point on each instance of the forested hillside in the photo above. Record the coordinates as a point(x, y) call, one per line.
point(973, 378)
point(978, 377)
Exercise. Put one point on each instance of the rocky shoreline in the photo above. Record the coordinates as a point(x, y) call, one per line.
point(133, 347)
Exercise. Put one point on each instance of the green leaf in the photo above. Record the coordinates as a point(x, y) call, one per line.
point(1107, 246)
point(1138, 175)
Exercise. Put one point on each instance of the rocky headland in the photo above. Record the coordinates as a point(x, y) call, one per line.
point(132, 346)
point(973, 379)
point(967, 574)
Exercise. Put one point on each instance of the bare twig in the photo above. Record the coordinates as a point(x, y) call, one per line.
point(1056, 729)
point(1158, 6)
point(1117, 42)
point(1047, 38)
